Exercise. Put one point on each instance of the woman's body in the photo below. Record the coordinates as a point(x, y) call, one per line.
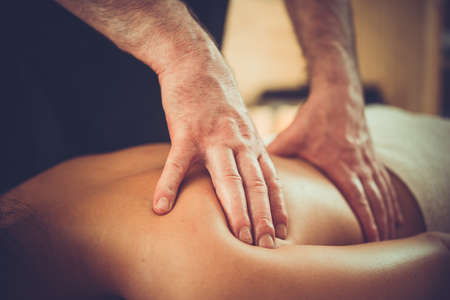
point(86, 226)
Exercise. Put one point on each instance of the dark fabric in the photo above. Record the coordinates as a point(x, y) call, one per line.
point(211, 14)
point(68, 91)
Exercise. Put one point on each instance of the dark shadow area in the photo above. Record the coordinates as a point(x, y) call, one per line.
point(372, 95)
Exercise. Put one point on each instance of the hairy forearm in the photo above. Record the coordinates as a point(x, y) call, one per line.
point(157, 32)
point(325, 32)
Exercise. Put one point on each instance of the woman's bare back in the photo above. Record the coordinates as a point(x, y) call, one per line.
point(100, 207)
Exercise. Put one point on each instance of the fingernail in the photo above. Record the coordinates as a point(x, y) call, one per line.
point(281, 230)
point(163, 205)
point(266, 241)
point(245, 235)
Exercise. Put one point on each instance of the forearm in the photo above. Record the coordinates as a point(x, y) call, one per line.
point(326, 35)
point(157, 32)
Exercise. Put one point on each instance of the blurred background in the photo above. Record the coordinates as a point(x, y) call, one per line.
point(403, 48)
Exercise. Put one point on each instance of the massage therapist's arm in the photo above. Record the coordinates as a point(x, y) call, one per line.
point(206, 117)
point(330, 129)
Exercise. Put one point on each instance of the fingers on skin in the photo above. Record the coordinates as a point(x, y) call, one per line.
point(384, 182)
point(277, 202)
point(177, 164)
point(397, 211)
point(257, 198)
point(399, 219)
point(351, 187)
point(228, 184)
point(377, 204)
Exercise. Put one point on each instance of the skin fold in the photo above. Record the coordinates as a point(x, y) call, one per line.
point(85, 228)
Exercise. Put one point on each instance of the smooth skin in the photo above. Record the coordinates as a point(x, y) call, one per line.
point(82, 230)
point(209, 124)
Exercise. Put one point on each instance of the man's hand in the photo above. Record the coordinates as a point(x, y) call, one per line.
point(207, 120)
point(330, 129)
point(335, 138)
point(209, 125)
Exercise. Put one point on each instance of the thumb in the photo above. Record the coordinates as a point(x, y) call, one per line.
point(175, 169)
point(284, 143)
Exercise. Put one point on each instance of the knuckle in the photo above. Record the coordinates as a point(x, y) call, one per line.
point(233, 177)
point(263, 223)
point(263, 220)
point(243, 148)
point(167, 188)
point(375, 194)
point(243, 220)
point(228, 122)
point(275, 183)
point(239, 220)
point(176, 164)
point(356, 193)
point(257, 185)
point(235, 125)
point(245, 131)
point(276, 188)
point(365, 173)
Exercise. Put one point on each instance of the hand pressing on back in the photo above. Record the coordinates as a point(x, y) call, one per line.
point(330, 131)
point(210, 126)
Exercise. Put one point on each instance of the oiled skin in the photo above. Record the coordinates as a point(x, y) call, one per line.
point(93, 232)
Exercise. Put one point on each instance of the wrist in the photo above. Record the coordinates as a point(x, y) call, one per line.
point(334, 68)
point(203, 70)
point(338, 96)
point(199, 59)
